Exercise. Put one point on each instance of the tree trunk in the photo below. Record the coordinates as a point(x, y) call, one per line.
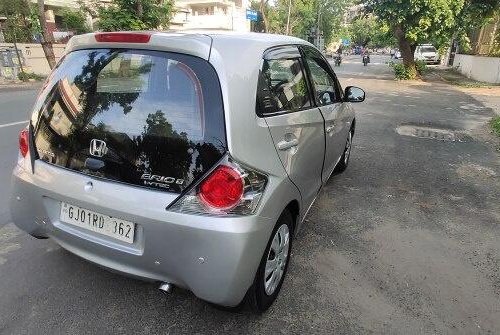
point(264, 17)
point(406, 48)
point(47, 38)
point(139, 9)
point(288, 17)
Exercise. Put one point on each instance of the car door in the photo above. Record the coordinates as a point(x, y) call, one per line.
point(295, 124)
point(328, 98)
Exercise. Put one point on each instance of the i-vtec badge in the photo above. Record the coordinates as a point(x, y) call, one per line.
point(160, 181)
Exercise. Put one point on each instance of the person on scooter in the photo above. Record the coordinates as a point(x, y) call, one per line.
point(338, 56)
point(366, 57)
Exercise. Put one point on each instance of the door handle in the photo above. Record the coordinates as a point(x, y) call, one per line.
point(329, 129)
point(285, 145)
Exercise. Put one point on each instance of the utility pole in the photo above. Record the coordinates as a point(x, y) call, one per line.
point(318, 26)
point(288, 17)
point(47, 37)
point(17, 50)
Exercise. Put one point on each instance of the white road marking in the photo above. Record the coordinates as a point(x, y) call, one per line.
point(12, 124)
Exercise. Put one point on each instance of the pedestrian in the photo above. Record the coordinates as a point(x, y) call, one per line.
point(393, 52)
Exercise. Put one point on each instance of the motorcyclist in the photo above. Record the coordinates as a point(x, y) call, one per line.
point(338, 56)
point(366, 56)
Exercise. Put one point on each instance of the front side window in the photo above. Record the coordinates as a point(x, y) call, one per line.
point(324, 84)
point(282, 87)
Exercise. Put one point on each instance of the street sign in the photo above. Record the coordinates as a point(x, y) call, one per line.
point(252, 15)
point(346, 42)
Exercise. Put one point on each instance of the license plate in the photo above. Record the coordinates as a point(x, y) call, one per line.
point(103, 224)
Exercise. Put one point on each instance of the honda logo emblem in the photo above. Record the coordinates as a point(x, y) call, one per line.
point(98, 148)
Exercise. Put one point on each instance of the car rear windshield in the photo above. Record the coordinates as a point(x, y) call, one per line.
point(146, 118)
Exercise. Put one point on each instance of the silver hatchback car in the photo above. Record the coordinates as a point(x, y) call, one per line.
point(190, 159)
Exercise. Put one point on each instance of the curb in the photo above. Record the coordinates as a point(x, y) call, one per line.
point(9, 86)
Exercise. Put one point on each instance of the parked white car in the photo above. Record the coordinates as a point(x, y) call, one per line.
point(427, 53)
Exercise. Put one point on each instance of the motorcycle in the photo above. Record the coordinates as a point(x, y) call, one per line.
point(337, 59)
point(366, 60)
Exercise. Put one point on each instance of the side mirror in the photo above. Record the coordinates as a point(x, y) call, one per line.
point(354, 94)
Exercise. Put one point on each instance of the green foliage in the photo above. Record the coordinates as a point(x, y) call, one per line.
point(75, 21)
point(495, 125)
point(302, 17)
point(26, 76)
point(421, 67)
point(421, 21)
point(22, 23)
point(475, 13)
point(132, 14)
point(371, 32)
point(305, 15)
point(403, 72)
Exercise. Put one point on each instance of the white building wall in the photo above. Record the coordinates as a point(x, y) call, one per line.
point(222, 14)
point(486, 69)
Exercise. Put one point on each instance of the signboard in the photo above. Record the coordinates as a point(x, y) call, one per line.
point(252, 15)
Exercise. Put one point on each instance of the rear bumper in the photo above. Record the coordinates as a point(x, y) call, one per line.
point(215, 258)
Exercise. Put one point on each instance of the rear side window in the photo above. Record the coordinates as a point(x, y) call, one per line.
point(146, 118)
point(282, 87)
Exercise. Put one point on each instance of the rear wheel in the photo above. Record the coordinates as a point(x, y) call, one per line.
point(273, 265)
point(344, 160)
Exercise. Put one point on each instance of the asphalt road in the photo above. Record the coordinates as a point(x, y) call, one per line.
point(404, 242)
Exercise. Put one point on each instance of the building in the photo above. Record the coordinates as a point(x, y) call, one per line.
point(53, 9)
point(53, 14)
point(211, 14)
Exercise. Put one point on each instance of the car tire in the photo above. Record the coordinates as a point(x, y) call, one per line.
point(265, 289)
point(344, 160)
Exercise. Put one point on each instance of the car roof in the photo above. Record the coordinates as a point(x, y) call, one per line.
point(195, 42)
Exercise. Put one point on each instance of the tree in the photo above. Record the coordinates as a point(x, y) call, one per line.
point(331, 16)
point(133, 14)
point(473, 16)
point(368, 31)
point(21, 25)
point(299, 17)
point(75, 21)
point(47, 37)
point(418, 21)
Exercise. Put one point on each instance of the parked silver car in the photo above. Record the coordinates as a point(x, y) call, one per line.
point(187, 159)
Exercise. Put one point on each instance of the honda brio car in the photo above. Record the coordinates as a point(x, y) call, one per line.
point(187, 159)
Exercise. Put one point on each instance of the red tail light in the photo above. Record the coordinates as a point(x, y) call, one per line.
point(223, 189)
point(123, 37)
point(23, 142)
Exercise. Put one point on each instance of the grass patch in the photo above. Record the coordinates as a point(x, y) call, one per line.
point(495, 125)
point(27, 76)
point(454, 77)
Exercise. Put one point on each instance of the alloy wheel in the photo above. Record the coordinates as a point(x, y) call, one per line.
point(348, 146)
point(277, 259)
